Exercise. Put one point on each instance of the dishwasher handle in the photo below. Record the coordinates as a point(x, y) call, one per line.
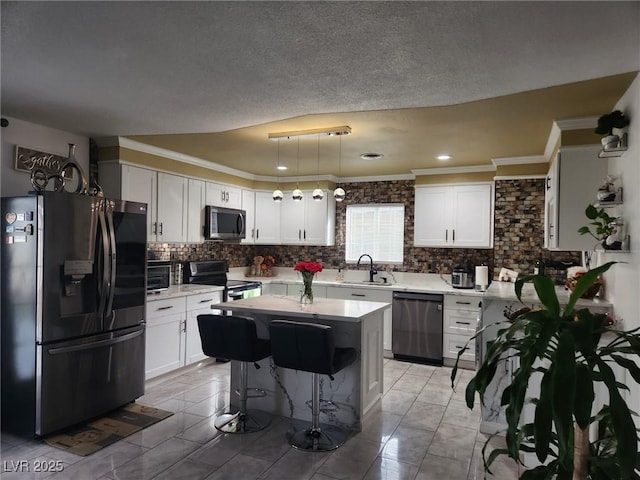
point(425, 297)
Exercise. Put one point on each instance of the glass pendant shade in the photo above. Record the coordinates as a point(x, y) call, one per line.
point(278, 195)
point(339, 194)
point(318, 194)
point(297, 194)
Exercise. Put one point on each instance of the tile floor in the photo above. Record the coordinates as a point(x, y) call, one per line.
point(422, 431)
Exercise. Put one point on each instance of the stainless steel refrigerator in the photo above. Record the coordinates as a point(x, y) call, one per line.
point(73, 308)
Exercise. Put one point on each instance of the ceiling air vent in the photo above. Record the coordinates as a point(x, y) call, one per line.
point(371, 156)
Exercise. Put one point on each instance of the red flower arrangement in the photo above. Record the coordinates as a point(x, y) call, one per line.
point(308, 267)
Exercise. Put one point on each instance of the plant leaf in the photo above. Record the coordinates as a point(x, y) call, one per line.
point(622, 422)
point(543, 417)
point(630, 365)
point(584, 395)
point(564, 393)
point(583, 283)
point(546, 291)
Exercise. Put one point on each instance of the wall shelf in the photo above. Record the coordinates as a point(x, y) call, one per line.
point(617, 151)
point(612, 203)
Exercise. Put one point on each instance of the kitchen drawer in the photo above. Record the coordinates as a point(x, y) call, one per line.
point(462, 302)
point(165, 307)
point(452, 344)
point(460, 322)
point(366, 294)
point(203, 300)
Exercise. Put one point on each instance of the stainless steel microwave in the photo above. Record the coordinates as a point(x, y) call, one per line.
point(225, 224)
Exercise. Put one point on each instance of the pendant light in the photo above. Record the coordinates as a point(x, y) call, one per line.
point(318, 194)
point(297, 193)
point(339, 194)
point(277, 193)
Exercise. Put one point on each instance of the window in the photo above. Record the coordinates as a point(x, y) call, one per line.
point(377, 230)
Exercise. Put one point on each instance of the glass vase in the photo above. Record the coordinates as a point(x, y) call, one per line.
point(307, 292)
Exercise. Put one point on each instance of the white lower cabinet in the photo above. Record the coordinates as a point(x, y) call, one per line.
point(197, 305)
point(166, 320)
point(173, 338)
point(460, 316)
point(370, 295)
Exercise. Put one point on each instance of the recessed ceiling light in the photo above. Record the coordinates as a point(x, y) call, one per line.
point(281, 167)
point(371, 156)
point(444, 157)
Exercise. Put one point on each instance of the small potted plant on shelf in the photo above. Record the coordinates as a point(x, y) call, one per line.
point(606, 124)
point(563, 354)
point(608, 229)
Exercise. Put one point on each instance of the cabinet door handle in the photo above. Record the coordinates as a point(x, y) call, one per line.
point(183, 326)
point(446, 235)
point(155, 228)
point(358, 295)
point(463, 323)
point(222, 196)
point(463, 303)
point(453, 235)
point(257, 233)
point(161, 228)
point(299, 234)
point(548, 183)
point(206, 301)
point(165, 308)
point(304, 234)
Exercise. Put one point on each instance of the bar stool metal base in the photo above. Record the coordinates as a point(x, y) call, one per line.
point(322, 439)
point(238, 423)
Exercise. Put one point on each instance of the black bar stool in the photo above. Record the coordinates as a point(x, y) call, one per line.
point(234, 337)
point(310, 347)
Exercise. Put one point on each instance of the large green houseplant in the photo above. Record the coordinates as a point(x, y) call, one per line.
point(572, 350)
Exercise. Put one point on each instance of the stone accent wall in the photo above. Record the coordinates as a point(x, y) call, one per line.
point(519, 230)
point(518, 242)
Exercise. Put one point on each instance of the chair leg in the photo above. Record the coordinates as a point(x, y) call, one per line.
point(315, 439)
point(242, 421)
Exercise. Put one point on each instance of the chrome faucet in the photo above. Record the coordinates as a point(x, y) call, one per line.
point(372, 271)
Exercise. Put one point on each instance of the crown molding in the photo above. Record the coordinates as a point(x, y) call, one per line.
point(518, 160)
point(519, 177)
point(170, 154)
point(577, 123)
point(446, 170)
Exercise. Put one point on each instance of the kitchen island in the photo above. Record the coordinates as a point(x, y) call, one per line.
point(354, 390)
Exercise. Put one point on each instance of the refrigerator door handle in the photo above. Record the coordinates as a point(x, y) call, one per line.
point(104, 285)
point(98, 344)
point(112, 263)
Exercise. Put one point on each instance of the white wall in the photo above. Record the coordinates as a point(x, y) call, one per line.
point(37, 137)
point(623, 280)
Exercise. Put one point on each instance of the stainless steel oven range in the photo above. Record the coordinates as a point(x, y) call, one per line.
point(214, 272)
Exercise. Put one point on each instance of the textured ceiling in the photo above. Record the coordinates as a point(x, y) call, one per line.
point(150, 68)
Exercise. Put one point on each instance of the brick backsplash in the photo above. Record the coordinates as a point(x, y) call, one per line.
point(518, 241)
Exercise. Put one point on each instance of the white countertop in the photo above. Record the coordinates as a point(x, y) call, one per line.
point(506, 291)
point(324, 308)
point(183, 291)
point(397, 281)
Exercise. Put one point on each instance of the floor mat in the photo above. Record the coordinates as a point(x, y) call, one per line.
point(87, 438)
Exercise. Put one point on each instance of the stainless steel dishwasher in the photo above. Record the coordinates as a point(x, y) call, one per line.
point(417, 327)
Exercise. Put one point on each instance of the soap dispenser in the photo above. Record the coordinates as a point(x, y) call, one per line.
point(340, 276)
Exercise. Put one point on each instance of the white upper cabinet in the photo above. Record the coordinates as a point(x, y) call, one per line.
point(172, 208)
point(267, 219)
point(454, 216)
point(195, 211)
point(165, 195)
point(248, 205)
point(573, 181)
point(308, 221)
point(221, 195)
